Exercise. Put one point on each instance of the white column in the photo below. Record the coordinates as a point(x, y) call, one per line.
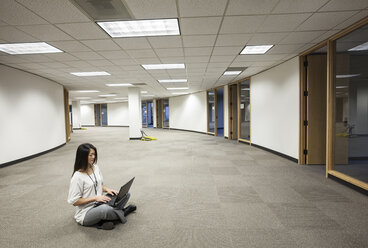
point(76, 115)
point(154, 102)
point(135, 110)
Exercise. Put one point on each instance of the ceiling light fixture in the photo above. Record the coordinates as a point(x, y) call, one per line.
point(361, 47)
point(28, 48)
point(90, 73)
point(231, 73)
point(256, 49)
point(107, 95)
point(159, 27)
point(163, 66)
point(172, 80)
point(121, 98)
point(118, 85)
point(85, 91)
point(143, 92)
point(178, 88)
point(179, 93)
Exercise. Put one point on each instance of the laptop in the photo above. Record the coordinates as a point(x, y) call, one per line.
point(115, 199)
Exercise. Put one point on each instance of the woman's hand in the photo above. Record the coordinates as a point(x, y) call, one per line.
point(102, 198)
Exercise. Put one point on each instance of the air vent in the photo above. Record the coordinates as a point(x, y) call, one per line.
point(104, 10)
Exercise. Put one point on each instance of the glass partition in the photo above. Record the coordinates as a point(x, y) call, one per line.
point(144, 114)
point(166, 112)
point(244, 110)
point(149, 113)
point(351, 104)
point(211, 110)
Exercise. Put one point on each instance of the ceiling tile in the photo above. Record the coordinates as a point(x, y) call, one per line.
point(77, 64)
point(101, 45)
point(14, 13)
point(127, 61)
point(165, 42)
point(11, 34)
point(266, 57)
point(61, 56)
point(60, 11)
point(114, 54)
point(353, 19)
point(147, 9)
point(36, 58)
point(190, 8)
point(172, 60)
point(301, 37)
point(250, 7)
point(232, 39)
point(298, 6)
point(148, 60)
point(55, 65)
point(325, 21)
point(197, 51)
point(169, 52)
point(223, 59)
point(282, 23)
point(45, 32)
point(227, 50)
point(83, 31)
point(198, 59)
point(70, 46)
point(86, 55)
point(100, 62)
point(267, 38)
point(200, 26)
point(199, 40)
point(132, 43)
point(341, 5)
point(241, 24)
point(141, 53)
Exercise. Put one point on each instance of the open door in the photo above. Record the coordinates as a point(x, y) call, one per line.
point(316, 97)
point(159, 113)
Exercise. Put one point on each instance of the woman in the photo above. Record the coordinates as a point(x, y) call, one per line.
point(86, 187)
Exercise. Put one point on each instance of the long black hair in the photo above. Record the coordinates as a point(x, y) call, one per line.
point(81, 158)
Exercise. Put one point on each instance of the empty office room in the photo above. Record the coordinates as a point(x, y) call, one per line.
point(244, 123)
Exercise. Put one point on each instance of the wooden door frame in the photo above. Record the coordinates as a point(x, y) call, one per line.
point(68, 127)
point(208, 112)
point(250, 111)
point(330, 117)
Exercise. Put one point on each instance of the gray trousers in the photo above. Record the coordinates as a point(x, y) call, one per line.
point(106, 212)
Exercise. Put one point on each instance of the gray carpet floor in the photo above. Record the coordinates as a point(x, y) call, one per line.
point(191, 190)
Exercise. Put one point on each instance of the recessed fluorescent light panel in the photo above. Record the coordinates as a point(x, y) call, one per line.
point(362, 47)
point(256, 49)
point(118, 85)
point(178, 88)
point(107, 95)
point(163, 66)
point(85, 91)
point(28, 48)
point(90, 73)
point(121, 98)
point(143, 92)
point(172, 80)
point(159, 27)
point(231, 73)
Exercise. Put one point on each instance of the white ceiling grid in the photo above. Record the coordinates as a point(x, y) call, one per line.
point(213, 33)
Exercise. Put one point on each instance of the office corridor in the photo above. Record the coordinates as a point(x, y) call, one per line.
point(191, 190)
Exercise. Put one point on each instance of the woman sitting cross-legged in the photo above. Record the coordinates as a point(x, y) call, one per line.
point(86, 188)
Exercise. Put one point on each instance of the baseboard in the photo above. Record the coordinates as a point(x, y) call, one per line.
point(30, 157)
point(275, 152)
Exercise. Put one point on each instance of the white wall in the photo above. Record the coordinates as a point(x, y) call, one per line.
point(275, 108)
point(188, 112)
point(32, 118)
point(87, 114)
point(226, 110)
point(118, 114)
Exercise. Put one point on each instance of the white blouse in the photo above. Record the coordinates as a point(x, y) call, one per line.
point(83, 186)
